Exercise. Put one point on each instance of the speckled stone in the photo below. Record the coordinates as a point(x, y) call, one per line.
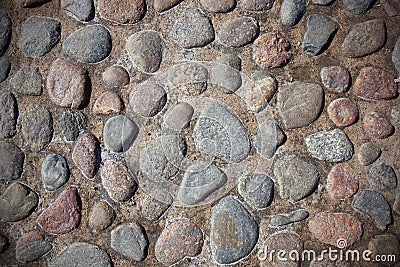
point(218, 6)
point(82, 10)
point(179, 239)
point(108, 103)
point(271, 50)
point(5, 31)
point(343, 112)
point(28, 81)
point(227, 78)
point(256, 5)
point(268, 139)
point(396, 51)
point(190, 78)
point(17, 202)
point(116, 76)
point(90, 44)
point(152, 208)
point(288, 218)
point(385, 245)
point(31, 246)
point(192, 29)
point(336, 79)
point(163, 5)
point(179, 116)
point(145, 50)
point(260, 92)
point(68, 84)
point(368, 153)
point(11, 161)
point(37, 127)
point(123, 11)
point(392, 8)
point(232, 224)
point(71, 124)
point(257, 190)
point(364, 38)
point(5, 67)
point(376, 125)
point(297, 177)
point(239, 32)
point(86, 155)
point(38, 36)
point(231, 60)
point(101, 216)
point(330, 227)
point(292, 11)
point(119, 133)
point(130, 240)
point(54, 172)
point(395, 114)
point(341, 182)
point(4, 243)
point(8, 115)
point(286, 241)
point(382, 176)
point(358, 6)
point(147, 99)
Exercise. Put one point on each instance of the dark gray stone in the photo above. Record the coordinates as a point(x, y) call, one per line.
point(28, 81)
point(39, 35)
point(55, 172)
point(288, 218)
point(239, 32)
point(381, 177)
point(358, 6)
point(90, 44)
point(396, 55)
point(31, 246)
point(227, 78)
point(256, 5)
point(71, 124)
point(5, 67)
point(119, 133)
point(257, 190)
point(323, 2)
point(269, 137)
point(178, 117)
point(8, 115)
point(292, 11)
point(11, 161)
point(82, 10)
point(4, 243)
point(190, 78)
point(130, 240)
point(5, 31)
point(231, 60)
point(368, 153)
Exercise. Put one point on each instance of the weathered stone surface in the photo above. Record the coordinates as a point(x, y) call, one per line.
point(395, 114)
point(292, 11)
point(257, 190)
point(116, 76)
point(153, 209)
point(382, 176)
point(55, 172)
point(269, 137)
point(147, 99)
point(368, 153)
point(130, 240)
point(86, 155)
point(385, 245)
point(376, 125)
point(239, 32)
point(82, 10)
point(392, 8)
point(341, 182)
point(28, 81)
point(396, 155)
point(227, 78)
point(218, 6)
point(190, 78)
point(231, 60)
point(286, 241)
point(119, 133)
point(101, 216)
point(5, 31)
point(122, 12)
point(271, 50)
point(31, 246)
point(163, 5)
point(232, 224)
point(5, 67)
point(396, 51)
point(358, 6)
point(31, 3)
point(288, 218)
point(396, 204)
point(11, 161)
point(8, 115)
point(260, 92)
point(71, 124)
point(256, 5)
point(343, 112)
point(336, 79)
point(4, 243)
point(108, 103)
point(179, 116)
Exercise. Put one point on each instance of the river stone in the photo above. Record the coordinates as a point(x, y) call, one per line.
point(80, 254)
point(331, 146)
point(178, 117)
point(31, 246)
point(257, 190)
point(116, 76)
point(90, 44)
point(153, 208)
point(368, 153)
point(268, 138)
point(11, 161)
point(147, 99)
point(227, 78)
point(336, 79)
point(108, 103)
point(146, 51)
point(82, 10)
point(382, 176)
point(5, 67)
point(300, 103)
point(341, 182)
point(234, 232)
point(256, 5)
point(190, 78)
point(377, 125)
point(5, 31)
point(358, 6)
point(297, 178)
point(119, 133)
point(55, 172)
point(8, 115)
point(28, 81)
point(37, 127)
point(231, 60)
point(163, 5)
point(271, 50)
point(122, 11)
point(292, 11)
point(260, 92)
point(71, 124)
point(17, 202)
point(130, 240)
point(288, 218)
point(86, 155)
point(218, 6)
point(239, 32)
point(38, 36)
point(220, 133)
point(199, 181)
point(101, 216)
point(396, 54)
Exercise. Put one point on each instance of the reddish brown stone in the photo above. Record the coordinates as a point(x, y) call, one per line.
point(116, 76)
point(375, 84)
point(343, 112)
point(180, 239)
point(122, 11)
point(271, 50)
point(86, 155)
point(282, 241)
point(377, 125)
point(332, 228)
point(108, 103)
point(341, 182)
point(64, 214)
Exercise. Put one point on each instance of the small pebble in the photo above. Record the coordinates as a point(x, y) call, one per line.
point(116, 76)
point(226, 78)
point(5, 31)
point(260, 92)
point(218, 6)
point(343, 112)
point(163, 5)
point(336, 79)
point(288, 218)
point(54, 172)
point(231, 60)
point(8, 115)
point(268, 139)
point(179, 116)
point(385, 245)
point(256, 5)
point(376, 125)
point(5, 67)
point(190, 78)
point(31, 247)
point(271, 50)
point(257, 190)
point(368, 153)
point(27, 81)
point(123, 11)
point(107, 103)
point(292, 11)
point(147, 99)
point(382, 176)
point(286, 241)
point(71, 124)
point(341, 182)
point(358, 6)
point(86, 155)
point(396, 52)
point(152, 209)
point(101, 216)
point(4, 243)
point(119, 133)
point(82, 10)
point(130, 240)
point(239, 32)
point(395, 114)
point(11, 161)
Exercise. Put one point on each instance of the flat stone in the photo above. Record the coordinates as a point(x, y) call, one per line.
point(68, 84)
point(341, 182)
point(192, 29)
point(11, 161)
point(268, 139)
point(86, 155)
point(31, 246)
point(200, 181)
point(119, 133)
point(358, 6)
point(218, 6)
point(108, 103)
point(364, 38)
point(71, 124)
point(287, 241)
point(116, 76)
point(190, 78)
point(256, 5)
point(300, 103)
point(231, 60)
point(297, 178)
point(271, 50)
point(239, 32)
point(257, 190)
point(234, 232)
point(375, 84)
point(37, 127)
point(101, 216)
point(392, 8)
point(288, 218)
point(396, 204)
point(323, 2)
point(368, 153)
point(396, 53)
point(81, 10)
point(118, 181)
point(375, 206)
point(331, 228)
point(385, 245)
point(219, 133)
point(376, 125)
point(343, 112)
point(90, 44)
point(122, 12)
point(395, 114)
point(64, 214)
point(147, 99)
point(38, 36)
point(4, 243)
point(336, 79)
point(27, 81)
point(8, 115)
point(152, 209)
point(130, 240)
point(320, 29)
point(179, 239)
point(17, 202)
point(163, 5)
point(80, 254)
point(382, 176)
point(227, 78)
point(179, 116)
point(54, 172)
point(145, 50)
point(31, 3)
point(331, 146)
point(5, 31)
point(259, 93)
point(5, 67)
point(292, 11)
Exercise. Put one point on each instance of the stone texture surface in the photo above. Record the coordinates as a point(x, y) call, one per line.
point(392, 8)
point(147, 99)
point(11, 161)
point(257, 190)
point(101, 216)
point(395, 114)
point(382, 176)
point(335, 78)
point(54, 172)
point(5, 31)
point(218, 6)
point(122, 12)
point(260, 92)
point(288, 218)
point(323, 2)
point(239, 32)
point(396, 52)
point(368, 153)
point(227, 78)
point(152, 209)
point(179, 116)
point(116, 76)
point(376, 125)
point(358, 6)
point(119, 133)
point(31, 246)
point(86, 155)
point(163, 5)
point(190, 78)
point(386, 244)
point(343, 112)
point(231, 60)
point(5, 68)
point(292, 11)
point(8, 115)
point(256, 5)
point(130, 240)
point(108, 103)
point(287, 241)
point(28, 81)
point(81, 10)
point(271, 50)
point(341, 182)
point(71, 124)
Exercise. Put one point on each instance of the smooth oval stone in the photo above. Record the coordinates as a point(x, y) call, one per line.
point(190, 78)
point(86, 155)
point(130, 240)
point(256, 5)
point(336, 79)
point(292, 11)
point(239, 32)
point(368, 153)
point(147, 99)
point(377, 125)
point(218, 6)
point(80, 254)
point(219, 133)
point(8, 115)
point(119, 133)
point(122, 11)
point(5, 67)
point(146, 51)
point(288, 218)
point(27, 80)
point(116, 76)
point(342, 182)
point(268, 139)
point(31, 247)
point(257, 190)
point(234, 232)
point(108, 103)
point(163, 5)
point(382, 176)
point(11, 161)
point(71, 124)
point(358, 6)
point(90, 44)
point(55, 172)
point(5, 31)
point(179, 116)
point(101, 216)
point(227, 78)
point(199, 181)
point(231, 60)
point(82, 10)
point(271, 50)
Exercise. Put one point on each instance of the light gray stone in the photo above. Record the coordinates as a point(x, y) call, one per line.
point(130, 240)
point(257, 190)
point(239, 32)
point(288, 218)
point(190, 78)
point(28, 81)
point(119, 133)
point(55, 172)
point(178, 117)
point(292, 11)
point(82, 10)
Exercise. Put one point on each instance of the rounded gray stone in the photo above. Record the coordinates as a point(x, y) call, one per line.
point(5, 31)
point(179, 116)
point(82, 10)
point(358, 6)
point(190, 78)
point(368, 153)
point(28, 81)
point(71, 124)
point(239, 32)
point(5, 67)
point(292, 11)
point(33, 248)
point(268, 139)
point(147, 99)
point(231, 60)
point(227, 78)
point(218, 6)
point(130, 240)
point(323, 2)
point(257, 190)
point(256, 5)
point(11, 161)
point(396, 55)
point(288, 218)
point(119, 133)
point(382, 176)
point(55, 172)
point(8, 115)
